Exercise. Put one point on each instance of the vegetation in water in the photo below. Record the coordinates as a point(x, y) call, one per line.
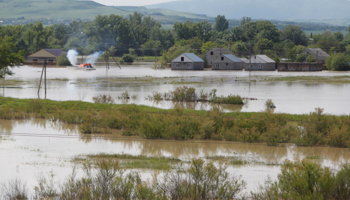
point(306, 180)
point(105, 180)
point(189, 94)
point(312, 129)
point(132, 162)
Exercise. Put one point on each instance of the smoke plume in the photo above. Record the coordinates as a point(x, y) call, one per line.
point(92, 58)
point(72, 56)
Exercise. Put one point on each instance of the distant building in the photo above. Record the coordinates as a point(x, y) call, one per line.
point(227, 62)
point(214, 53)
point(317, 53)
point(260, 62)
point(187, 61)
point(39, 57)
point(300, 66)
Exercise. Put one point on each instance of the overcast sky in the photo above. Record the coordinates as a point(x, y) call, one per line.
point(131, 2)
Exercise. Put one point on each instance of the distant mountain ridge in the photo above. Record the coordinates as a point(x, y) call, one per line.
point(269, 9)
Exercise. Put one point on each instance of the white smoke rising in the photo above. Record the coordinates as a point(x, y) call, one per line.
point(92, 58)
point(72, 56)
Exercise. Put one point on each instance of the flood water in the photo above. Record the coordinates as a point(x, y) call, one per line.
point(29, 148)
point(142, 80)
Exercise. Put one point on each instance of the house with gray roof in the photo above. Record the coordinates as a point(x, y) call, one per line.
point(227, 62)
point(215, 53)
point(50, 55)
point(187, 61)
point(317, 53)
point(260, 62)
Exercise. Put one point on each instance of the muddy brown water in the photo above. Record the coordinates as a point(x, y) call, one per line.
point(142, 80)
point(29, 148)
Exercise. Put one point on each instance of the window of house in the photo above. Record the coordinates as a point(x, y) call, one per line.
point(188, 66)
point(182, 59)
point(211, 53)
point(222, 58)
point(35, 60)
point(177, 65)
point(226, 64)
point(260, 66)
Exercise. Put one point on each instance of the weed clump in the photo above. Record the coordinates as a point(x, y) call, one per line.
point(103, 99)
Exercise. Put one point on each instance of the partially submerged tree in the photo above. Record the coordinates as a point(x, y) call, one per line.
point(9, 56)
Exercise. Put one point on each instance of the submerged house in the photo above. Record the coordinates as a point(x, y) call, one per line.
point(260, 62)
point(317, 53)
point(227, 62)
point(215, 53)
point(187, 61)
point(39, 57)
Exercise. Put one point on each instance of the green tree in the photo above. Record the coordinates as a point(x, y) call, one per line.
point(294, 34)
point(184, 30)
point(339, 36)
point(264, 44)
point(338, 62)
point(9, 56)
point(151, 47)
point(245, 20)
point(239, 48)
point(208, 45)
point(294, 53)
point(311, 58)
point(221, 23)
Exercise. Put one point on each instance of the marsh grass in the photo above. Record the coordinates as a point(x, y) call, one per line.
point(315, 128)
point(133, 162)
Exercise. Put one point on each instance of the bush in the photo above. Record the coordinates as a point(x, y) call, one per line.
point(128, 58)
point(62, 60)
point(338, 62)
point(103, 99)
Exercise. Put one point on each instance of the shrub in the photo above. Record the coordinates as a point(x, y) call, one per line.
point(62, 60)
point(269, 104)
point(103, 99)
point(127, 58)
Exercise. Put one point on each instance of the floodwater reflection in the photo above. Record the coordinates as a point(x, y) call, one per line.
point(142, 80)
point(39, 146)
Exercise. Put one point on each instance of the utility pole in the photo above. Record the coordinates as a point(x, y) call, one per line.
point(42, 72)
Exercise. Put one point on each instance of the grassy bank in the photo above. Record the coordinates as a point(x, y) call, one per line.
point(313, 129)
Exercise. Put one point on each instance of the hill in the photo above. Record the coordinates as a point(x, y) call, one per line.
point(68, 9)
point(257, 9)
point(32, 9)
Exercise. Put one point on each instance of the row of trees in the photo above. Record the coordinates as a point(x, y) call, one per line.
point(144, 35)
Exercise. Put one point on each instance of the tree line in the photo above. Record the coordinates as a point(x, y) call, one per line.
point(142, 35)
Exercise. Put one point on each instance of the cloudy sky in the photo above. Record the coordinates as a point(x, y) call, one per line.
point(130, 2)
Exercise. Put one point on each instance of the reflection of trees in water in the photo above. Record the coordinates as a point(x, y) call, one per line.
point(334, 155)
point(6, 126)
point(207, 106)
point(190, 149)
